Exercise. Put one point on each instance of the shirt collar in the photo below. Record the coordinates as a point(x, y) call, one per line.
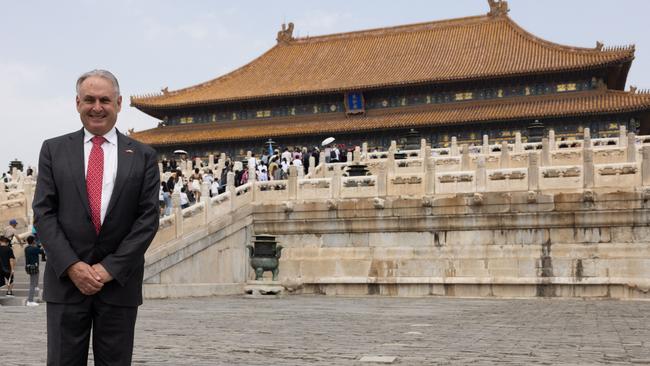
point(110, 136)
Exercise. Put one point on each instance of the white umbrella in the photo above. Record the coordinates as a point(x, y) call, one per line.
point(327, 141)
point(180, 152)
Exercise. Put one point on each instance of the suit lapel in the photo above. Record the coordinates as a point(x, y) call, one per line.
point(125, 156)
point(77, 166)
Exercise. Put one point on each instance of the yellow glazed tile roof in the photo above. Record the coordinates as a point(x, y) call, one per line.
point(548, 106)
point(451, 50)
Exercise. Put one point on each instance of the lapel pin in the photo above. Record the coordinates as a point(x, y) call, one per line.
point(128, 151)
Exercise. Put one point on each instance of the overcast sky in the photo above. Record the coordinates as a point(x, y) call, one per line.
point(45, 45)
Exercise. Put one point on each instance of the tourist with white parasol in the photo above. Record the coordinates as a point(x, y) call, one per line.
point(328, 150)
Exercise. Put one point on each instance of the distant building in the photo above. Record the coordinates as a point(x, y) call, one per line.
point(461, 77)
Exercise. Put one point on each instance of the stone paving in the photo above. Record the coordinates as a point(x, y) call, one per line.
point(320, 330)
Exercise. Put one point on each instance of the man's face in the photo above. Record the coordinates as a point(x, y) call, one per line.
point(98, 105)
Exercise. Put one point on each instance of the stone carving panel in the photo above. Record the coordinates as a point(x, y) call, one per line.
point(406, 180)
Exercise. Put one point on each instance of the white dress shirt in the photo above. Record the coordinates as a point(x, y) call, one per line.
point(110, 164)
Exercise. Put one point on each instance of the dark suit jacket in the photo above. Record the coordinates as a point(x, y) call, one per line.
point(62, 218)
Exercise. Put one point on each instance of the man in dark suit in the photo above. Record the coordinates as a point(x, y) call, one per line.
point(96, 211)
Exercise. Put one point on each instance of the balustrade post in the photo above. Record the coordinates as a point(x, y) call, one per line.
point(356, 157)
point(486, 145)
point(160, 168)
point(321, 163)
point(423, 146)
point(207, 201)
point(393, 145)
point(211, 162)
point(430, 172)
point(533, 171)
point(382, 181)
point(631, 147)
point(230, 187)
point(481, 174)
point(28, 188)
point(178, 213)
point(312, 166)
point(3, 193)
point(546, 153)
point(221, 164)
point(504, 161)
point(252, 178)
point(645, 166)
point(349, 157)
point(551, 140)
point(390, 161)
point(518, 146)
point(454, 147)
point(364, 151)
point(293, 182)
point(336, 184)
point(586, 139)
point(622, 138)
point(464, 160)
point(588, 168)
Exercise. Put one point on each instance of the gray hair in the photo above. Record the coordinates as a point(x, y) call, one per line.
point(102, 74)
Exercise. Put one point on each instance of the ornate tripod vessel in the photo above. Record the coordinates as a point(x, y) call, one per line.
point(265, 256)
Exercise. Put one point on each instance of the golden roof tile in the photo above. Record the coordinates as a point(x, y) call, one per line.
point(428, 115)
point(450, 50)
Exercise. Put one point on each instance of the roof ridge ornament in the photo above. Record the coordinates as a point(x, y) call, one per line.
point(498, 8)
point(599, 45)
point(286, 34)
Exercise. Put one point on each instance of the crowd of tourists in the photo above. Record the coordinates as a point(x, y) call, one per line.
point(265, 165)
point(32, 250)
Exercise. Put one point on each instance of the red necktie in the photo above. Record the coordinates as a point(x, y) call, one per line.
point(94, 178)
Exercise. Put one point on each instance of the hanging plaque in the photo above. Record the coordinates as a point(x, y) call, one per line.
point(354, 103)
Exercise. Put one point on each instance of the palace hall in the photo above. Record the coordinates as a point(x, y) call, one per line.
point(464, 78)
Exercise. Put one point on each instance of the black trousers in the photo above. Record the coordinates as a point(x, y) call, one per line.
point(68, 333)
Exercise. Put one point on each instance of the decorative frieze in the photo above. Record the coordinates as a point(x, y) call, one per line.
point(618, 170)
point(365, 182)
point(568, 155)
point(561, 172)
point(511, 175)
point(409, 163)
point(455, 178)
point(448, 161)
point(314, 184)
point(406, 180)
point(610, 153)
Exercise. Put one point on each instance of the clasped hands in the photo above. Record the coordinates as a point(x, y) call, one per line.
point(88, 279)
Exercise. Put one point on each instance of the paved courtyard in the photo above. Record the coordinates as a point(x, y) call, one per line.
point(319, 330)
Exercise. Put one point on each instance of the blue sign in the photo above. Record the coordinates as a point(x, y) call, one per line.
point(354, 103)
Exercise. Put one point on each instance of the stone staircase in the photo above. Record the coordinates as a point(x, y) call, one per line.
point(21, 282)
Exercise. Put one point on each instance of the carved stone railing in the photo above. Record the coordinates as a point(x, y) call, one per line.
point(243, 195)
point(455, 182)
point(523, 167)
point(355, 187)
point(270, 191)
point(317, 188)
point(505, 180)
point(470, 181)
